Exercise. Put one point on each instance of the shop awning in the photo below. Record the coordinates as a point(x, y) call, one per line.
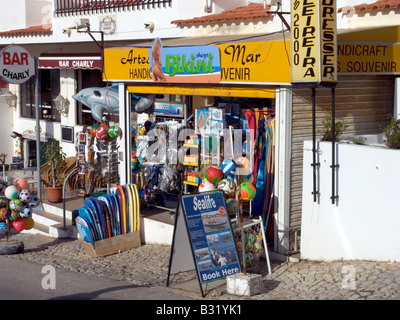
point(225, 91)
point(70, 61)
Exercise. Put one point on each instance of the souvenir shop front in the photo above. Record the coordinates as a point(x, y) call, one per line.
point(201, 118)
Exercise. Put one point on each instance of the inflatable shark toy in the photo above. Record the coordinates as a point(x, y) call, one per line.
point(100, 100)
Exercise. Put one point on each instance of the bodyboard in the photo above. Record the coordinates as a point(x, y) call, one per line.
point(124, 218)
point(84, 230)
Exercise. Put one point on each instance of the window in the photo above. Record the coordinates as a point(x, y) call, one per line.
point(87, 79)
point(49, 89)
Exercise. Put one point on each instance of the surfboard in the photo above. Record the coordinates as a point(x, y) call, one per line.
point(109, 215)
point(114, 210)
point(133, 207)
point(124, 216)
point(138, 208)
point(128, 204)
point(84, 227)
point(136, 201)
point(91, 217)
point(102, 218)
point(88, 203)
point(119, 203)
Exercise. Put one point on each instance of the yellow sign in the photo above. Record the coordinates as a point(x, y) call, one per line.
point(245, 63)
point(255, 62)
point(368, 58)
point(313, 45)
point(126, 64)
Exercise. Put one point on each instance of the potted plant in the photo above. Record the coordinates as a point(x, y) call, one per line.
point(56, 157)
point(326, 130)
point(392, 132)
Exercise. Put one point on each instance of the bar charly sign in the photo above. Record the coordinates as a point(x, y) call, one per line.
point(16, 64)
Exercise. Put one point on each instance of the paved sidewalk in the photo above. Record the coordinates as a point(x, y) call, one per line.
point(148, 265)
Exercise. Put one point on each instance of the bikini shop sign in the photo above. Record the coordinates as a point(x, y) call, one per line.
point(196, 64)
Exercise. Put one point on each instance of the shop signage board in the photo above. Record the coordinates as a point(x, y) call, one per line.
point(196, 64)
point(240, 63)
point(70, 61)
point(313, 41)
point(16, 65)
point(203, 238)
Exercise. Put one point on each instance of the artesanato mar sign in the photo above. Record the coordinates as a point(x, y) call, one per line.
point(16, 64)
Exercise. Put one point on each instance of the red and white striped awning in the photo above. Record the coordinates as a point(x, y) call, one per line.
point(70, 61)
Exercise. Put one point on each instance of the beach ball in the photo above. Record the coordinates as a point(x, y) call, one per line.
point(214, 175)
point(243, 162)
point(228, 166)
point(228, 187)
point(11, 192)
point(3, 214)
point(16, 205)
point(114, 131)
point(25, 196)
point(3, 229)
point(3, 201)
point(29, 223)
point(249, 178)
point(101, 133)
point(18, 225)
point(34, 201)
point(26, 211)
point(247, 191)
point(206, 186)
point(93, 129)
point(232, 206)
point(14, 215)
point(21, 183)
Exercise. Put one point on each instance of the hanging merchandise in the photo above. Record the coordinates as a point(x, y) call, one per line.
point(16, 206)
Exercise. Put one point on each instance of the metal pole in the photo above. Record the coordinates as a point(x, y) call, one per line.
point(65, 183)
point(37, 79)
point(314, 164)
point(334, 165)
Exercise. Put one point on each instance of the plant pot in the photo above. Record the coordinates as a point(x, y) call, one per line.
point(54, 194)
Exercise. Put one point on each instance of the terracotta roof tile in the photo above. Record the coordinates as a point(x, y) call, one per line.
point(378, 5)
point(36, 30)
point(251, 11)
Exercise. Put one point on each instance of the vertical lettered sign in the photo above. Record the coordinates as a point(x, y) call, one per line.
point(313, 41)
point(305, 41)
point(328, 41)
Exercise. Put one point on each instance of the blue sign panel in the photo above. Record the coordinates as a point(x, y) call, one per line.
point(211, 236)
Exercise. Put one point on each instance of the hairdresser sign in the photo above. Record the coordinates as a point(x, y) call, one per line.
point(196, 64)
point(211, 236)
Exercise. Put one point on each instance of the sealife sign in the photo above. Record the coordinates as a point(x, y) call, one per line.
point(16, 64)
point(196, 64)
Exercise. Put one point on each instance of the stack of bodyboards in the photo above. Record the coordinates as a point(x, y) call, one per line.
point(110, 215)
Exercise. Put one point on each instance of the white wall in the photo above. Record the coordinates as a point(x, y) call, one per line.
point(364, 224)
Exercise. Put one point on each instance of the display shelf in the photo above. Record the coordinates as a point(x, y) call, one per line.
point(191, 183)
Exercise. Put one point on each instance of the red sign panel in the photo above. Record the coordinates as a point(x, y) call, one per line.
point(70, 61)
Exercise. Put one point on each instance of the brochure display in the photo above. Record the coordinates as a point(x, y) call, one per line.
point(202, 226)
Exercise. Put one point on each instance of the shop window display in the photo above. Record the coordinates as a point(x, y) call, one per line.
point(49, 90)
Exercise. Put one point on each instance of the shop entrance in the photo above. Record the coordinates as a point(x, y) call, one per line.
point(189, 144)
